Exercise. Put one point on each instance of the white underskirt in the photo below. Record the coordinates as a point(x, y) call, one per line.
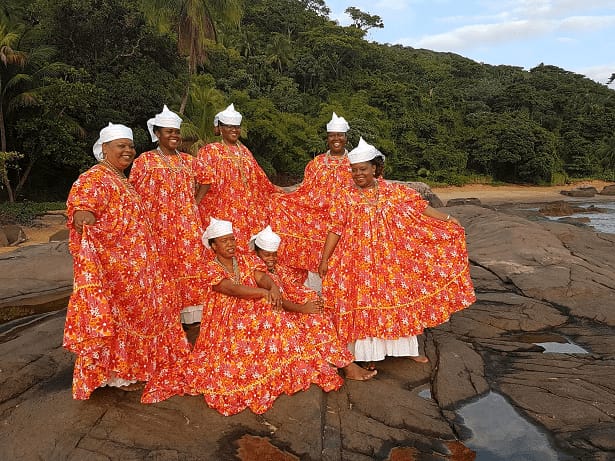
point(118, 382)
point(192, 314)
point(314, 282)
point(375, 349)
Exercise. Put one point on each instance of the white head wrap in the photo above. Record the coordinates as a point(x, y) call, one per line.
point(165, 119)
point(217, 119)
point(229, 116)
point(266, 240)
point(109, 133)
point(216, 228)
point(364, 152)
point(337, 124)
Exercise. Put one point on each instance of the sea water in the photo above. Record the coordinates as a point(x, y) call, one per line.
point(600, 221)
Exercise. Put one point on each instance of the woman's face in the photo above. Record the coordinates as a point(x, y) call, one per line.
point(270, 258)
point(336, 142)
point(120, 152)
point(230, 133)
point(169, 139)
point(363, 174)
point(224, 246)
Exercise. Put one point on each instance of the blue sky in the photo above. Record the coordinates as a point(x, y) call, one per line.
point(576, 35)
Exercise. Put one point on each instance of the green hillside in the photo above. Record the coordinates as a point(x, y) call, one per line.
point(68, 67)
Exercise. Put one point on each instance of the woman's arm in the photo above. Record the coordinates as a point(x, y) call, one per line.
point(200, 192)
point(330, 244)
point(227, 287)
point(433, 213)
point(273, 292)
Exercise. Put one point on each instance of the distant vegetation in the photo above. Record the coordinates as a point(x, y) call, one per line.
point(68, 67)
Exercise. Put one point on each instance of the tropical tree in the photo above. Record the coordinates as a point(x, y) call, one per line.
point(194, 23)
point(11, 62)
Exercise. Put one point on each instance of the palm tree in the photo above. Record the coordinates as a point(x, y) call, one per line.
point(194, 22)
point(205, 101)
point(11, 61)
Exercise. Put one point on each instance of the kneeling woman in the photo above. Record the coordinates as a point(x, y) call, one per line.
point(399, 265)
point(248, 352)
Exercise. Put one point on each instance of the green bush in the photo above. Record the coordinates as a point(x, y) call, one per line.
point(24, 213)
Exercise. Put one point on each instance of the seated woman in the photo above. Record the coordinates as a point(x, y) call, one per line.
point(305, 307)
point(399, 265)
point(248, 352)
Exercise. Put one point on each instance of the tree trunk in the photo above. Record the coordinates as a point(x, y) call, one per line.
point(2, 130)
point(24, 177)
point(7, 184)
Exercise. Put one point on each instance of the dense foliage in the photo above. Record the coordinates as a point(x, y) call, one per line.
point(68, 67)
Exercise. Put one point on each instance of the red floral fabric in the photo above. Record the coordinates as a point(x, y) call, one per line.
point(301, 218)
point(122, 317)
point(166, 185)
point(247, 354)
point(318, 329)
point(394, 271)
point(240, 193)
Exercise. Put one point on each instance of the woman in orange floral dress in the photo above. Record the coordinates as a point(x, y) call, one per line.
point(305, 308)
point(121, 320)
point(241, 191)
point(165, 180)
point(301, 217)
point(399, 265)
point(248, 353)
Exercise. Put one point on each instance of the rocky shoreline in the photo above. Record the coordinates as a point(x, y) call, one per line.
point(534, 278)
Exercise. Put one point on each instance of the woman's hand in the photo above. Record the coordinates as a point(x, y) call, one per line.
point(81, 217)
point(312, 307)
point(274, 297)
point(323, 268)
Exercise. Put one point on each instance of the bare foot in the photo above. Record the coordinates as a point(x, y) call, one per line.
point(420, 359)
point(355, 372)
point(369, 365)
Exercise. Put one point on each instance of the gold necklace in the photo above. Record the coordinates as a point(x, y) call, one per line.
point(237, 158)
point(367, 196)
point(338, 159)
point(236, 274)
point(167, 161)
point(120, 175)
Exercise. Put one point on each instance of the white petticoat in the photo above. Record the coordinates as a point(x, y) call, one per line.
point(375, 349)
point(192, 314)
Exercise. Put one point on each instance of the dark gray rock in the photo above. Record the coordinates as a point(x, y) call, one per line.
point(536, 280)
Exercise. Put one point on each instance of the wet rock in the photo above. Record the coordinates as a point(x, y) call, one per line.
point(581, 192)
point(608, 190)
point(34, 278)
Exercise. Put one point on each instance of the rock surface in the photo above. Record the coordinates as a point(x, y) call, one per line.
point(535, 280)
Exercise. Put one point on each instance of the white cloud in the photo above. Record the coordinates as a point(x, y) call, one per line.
point(600, 74)
point(467, 37)
point(583, 23)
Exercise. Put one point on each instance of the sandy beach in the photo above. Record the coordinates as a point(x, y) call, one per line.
point(495, 195)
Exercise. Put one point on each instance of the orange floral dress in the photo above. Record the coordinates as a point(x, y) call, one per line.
point(247, 354)
point(240, 193)
point(318, 329)
point(301, 218)
point(166, 185)
point(122, 318)
point(394, 270)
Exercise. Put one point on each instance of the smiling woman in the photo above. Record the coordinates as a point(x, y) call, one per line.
point(121, 321)
point(166, 179)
